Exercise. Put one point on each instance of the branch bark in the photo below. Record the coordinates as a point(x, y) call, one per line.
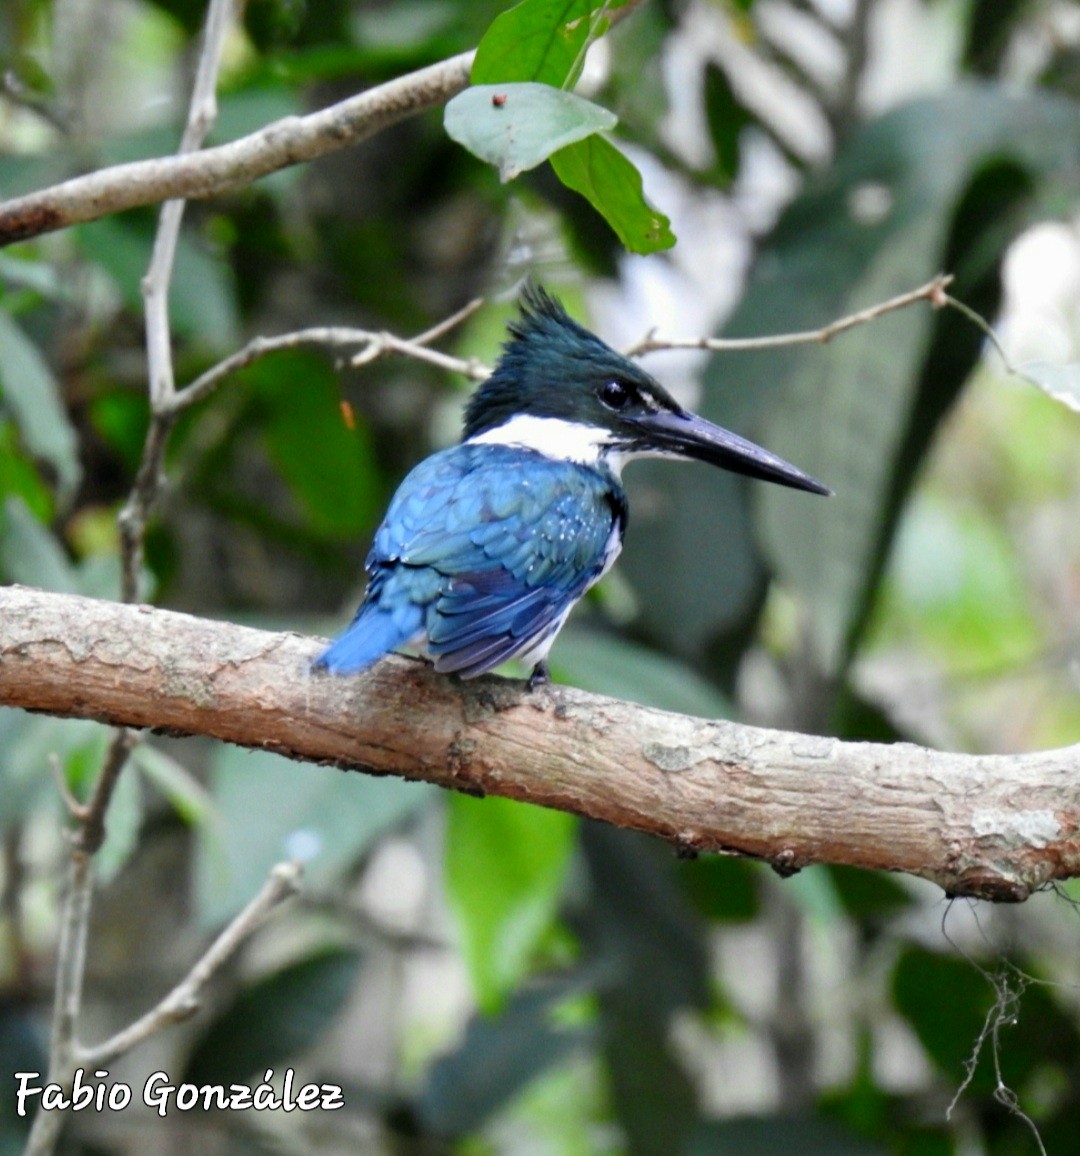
point(211, 171)
point(992, 826)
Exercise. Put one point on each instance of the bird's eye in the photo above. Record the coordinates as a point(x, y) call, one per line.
point(615, 395)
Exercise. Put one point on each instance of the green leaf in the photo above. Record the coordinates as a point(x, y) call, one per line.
point(946, 1001)
point(722, 887)
point(251, 109)
point(18, 476)
point(505, 865)
point(31, 394)
point(608, 665)
point(654, 1099)
point(805, 1134)
point(542, 40)
point(1061, 382)
point(272, 808)
point(814, 893)
point(727, 117)
point(187, 796)
point(275, 1019)
point(515, 127)
point(122, 420)
point(700, 525)
point(956, 571)
point(31, 555)
point(42, 277)
point(869, 896)
point(122, 823)
point(202, 296)
point(861, 413)
point(29, 743)
point(202, 299)
point(329, 468)
point(837, 540)
point(641, 924)
point(596, 169)
point(498, 1057)
point(650, 945)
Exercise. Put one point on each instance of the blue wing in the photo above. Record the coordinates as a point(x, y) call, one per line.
point(483, 552)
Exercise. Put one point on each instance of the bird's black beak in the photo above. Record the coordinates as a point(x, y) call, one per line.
point(686, 435)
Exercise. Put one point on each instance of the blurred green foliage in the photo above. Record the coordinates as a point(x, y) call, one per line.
point(482, 976)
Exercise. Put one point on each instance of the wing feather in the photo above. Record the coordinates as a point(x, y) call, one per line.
point(494, 549)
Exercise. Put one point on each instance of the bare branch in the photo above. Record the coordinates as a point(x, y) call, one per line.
point(933, 291)
point(997, 827)
point(987, 329)
point(155, 287)
point(374, 345)
point(286, 142)
point(183, 1001)
point(91, 816)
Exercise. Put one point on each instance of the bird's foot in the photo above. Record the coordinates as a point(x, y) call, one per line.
point(540, 676)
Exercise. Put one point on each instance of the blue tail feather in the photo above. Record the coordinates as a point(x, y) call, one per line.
point(373, 633)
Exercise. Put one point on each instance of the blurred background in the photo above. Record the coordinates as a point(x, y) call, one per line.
point(485, 977)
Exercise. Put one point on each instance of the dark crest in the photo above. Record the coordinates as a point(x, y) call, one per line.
point(550, 366)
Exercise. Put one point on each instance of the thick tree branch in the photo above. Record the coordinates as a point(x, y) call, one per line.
point(203, 174)
point(996, 827)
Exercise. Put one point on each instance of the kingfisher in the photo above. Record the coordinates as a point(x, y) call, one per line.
point(487, 545)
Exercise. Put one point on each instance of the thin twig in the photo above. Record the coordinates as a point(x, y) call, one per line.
point(933, 291)
point(981, 323)
point(183, 1001)
point(375, 344)
point(71, 946)
point(441, 328)
point(383, 343)
point(12, 86)
point(72, 805)
point(378, 344)
point(145, 491)
point(1008, 364)
point(155, 287)
point(91, 816)
point(86, 840)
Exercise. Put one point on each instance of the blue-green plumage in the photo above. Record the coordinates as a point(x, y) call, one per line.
point(487, 545)
point(483, 550)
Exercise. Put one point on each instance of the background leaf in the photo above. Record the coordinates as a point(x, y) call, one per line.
point(1061, 382)
point(505, 866)
point(497, 1058)
point(269, 812)
point(31, 394)
point(607, 664)
point(275, 1019)
point(31, 555)
point(328, 466)
point(833, 554)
